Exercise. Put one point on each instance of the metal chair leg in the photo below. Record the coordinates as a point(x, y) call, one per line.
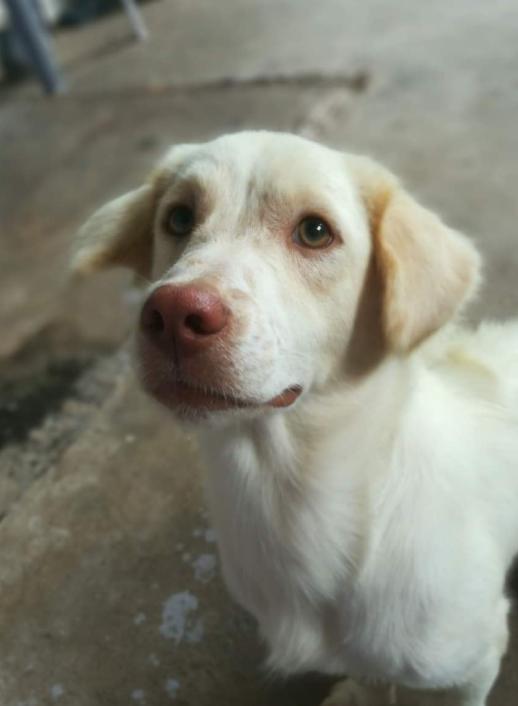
point(27, 24)
point(135, 19)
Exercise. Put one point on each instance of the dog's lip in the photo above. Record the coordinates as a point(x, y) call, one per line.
point(207, 398)
point(287, 397)
point(176, 391)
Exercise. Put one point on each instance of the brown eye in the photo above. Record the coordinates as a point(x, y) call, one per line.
point(179, 220)
point(314, 233)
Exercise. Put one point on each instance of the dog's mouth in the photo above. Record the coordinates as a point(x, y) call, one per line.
point(176, 393)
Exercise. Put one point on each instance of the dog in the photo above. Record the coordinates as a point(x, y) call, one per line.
point(303, 314)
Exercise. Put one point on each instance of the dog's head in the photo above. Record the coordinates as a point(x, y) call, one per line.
point(276, 265)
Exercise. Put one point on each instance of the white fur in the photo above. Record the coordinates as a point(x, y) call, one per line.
point(382, 553)
point(368, 527)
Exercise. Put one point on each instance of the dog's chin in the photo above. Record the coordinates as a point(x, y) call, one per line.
point(193, 402)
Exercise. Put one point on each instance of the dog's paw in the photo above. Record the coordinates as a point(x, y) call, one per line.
point(347, 693)
point(350, 693)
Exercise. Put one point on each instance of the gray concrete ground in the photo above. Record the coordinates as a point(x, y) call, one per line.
point(109, 585)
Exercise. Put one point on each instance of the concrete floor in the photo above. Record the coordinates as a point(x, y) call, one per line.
point(109, 585)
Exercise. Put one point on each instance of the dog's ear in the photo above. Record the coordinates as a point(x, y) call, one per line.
point(118, 234)
point(427, 269)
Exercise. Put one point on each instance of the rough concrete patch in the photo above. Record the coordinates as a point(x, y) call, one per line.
point(25, 401)
point(47, 400)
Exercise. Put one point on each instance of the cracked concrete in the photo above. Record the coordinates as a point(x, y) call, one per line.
point(109, 585)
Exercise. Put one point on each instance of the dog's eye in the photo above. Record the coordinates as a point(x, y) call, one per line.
point(179, 220)
point(313, 232)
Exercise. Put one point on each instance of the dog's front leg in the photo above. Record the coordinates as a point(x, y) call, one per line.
point(476, 692)
point(477, 688)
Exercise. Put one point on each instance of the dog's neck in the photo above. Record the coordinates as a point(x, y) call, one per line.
point(284, 442)
point(284, 484)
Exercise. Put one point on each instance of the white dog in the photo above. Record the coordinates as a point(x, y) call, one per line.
point(363, 450)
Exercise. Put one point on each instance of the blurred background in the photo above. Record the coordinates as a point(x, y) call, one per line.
point(110, 592)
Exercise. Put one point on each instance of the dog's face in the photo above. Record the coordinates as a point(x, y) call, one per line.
point(273, 259)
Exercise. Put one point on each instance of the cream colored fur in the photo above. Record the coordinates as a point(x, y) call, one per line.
point(368, 527)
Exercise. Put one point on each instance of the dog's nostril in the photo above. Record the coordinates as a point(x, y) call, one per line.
point(195, 323)
point(155, 322)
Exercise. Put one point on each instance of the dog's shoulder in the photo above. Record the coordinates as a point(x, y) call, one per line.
point(482, 362)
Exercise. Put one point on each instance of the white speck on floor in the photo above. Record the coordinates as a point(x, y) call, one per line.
point(196, 633)
point(176, 616)
point(180, 546)
point(197, 532)
point(129, 438)
point(138, 695)
point(204, 567)
point(171, 687)
point(186, 556)
point(153, 659)
point(56, 691)
point(210, 535)
point(139, 618)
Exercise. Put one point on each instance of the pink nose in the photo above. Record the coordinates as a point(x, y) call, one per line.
point(183, 320)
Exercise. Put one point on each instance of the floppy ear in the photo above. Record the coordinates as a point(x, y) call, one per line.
point(427, 269)
point(118, 234)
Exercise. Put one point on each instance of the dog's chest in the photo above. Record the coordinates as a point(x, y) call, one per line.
point(285, 562)
point(290, 553)
point(306, 559)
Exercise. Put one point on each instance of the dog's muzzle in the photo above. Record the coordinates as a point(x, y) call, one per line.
point(185, 334)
